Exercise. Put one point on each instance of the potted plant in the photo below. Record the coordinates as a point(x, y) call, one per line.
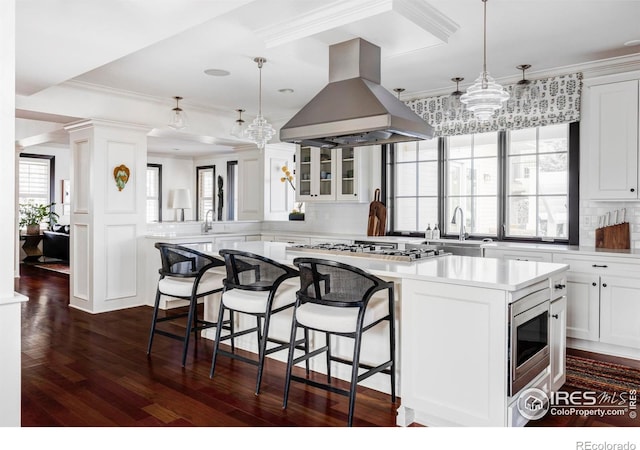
point(33, 214)
point(297, 213)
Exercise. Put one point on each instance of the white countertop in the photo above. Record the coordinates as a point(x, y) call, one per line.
point(508, 275)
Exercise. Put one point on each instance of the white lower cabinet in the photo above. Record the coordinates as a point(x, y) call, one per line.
point(603, 303)
point(620, 311)
point(583, 306)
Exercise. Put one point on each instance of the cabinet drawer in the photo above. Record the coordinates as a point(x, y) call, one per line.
point(599, 265)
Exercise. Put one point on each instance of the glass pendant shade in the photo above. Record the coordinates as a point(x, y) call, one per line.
point(238, 128)
point(484, 96)
point(259, 131)
point(452, 105)
point(177, 118)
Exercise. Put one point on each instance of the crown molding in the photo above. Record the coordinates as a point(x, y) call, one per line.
point(339, 13)
point(592, 69)
point(131, 95)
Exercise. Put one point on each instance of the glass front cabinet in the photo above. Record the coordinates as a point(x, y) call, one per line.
point(331, 174)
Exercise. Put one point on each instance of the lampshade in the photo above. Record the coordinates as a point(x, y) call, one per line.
point(181, 199)
point(452, 104)
point(238, 128)
point(485, 96)
point(177, 118)
point(259, 131)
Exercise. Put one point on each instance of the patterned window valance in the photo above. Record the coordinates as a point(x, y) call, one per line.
point(559, 103)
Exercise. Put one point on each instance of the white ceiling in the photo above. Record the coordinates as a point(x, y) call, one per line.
point(160, 48)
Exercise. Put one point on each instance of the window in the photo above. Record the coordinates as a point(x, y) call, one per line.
point(154, 192)
point(516, 185)
point(206, 191)
point(416, 185)
point(538, 183)
point(35, 179)
point(471, 174)
point(232, 190)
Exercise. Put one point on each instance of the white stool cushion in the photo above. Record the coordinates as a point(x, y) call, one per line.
point(341, 319)
point(256, 301)
point(182, 287)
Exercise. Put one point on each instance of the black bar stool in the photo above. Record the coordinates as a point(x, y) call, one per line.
point(189, 275)
point(339, 299)
point(255, 286)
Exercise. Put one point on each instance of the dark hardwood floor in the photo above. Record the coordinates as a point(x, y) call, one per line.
point(85, 370)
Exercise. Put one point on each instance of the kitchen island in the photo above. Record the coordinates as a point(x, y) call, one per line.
point(453, 331)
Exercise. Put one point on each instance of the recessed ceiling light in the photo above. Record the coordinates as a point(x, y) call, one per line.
point(217, 72)
point(632, 42)
point(286, 91)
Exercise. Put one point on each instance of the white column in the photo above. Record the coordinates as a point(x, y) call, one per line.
point(107, 215)
point(10, 388)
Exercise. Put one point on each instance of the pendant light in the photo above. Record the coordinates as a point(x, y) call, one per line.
point(259, 131)
point(485, 96)
point(525, 92)
point(452, 105)
point(178, 118)
point(238, 127)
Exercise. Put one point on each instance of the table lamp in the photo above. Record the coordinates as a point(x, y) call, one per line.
point(181, 201)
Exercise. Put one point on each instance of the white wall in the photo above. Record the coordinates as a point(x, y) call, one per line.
point(177, 172)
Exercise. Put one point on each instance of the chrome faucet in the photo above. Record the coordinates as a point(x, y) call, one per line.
point(208, 225)
point(462, 236)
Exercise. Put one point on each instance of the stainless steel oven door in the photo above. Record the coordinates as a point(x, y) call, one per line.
point(529, 345)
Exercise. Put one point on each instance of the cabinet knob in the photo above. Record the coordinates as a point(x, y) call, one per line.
point(560, 286)
point(555, 316)
point(593, 284)
point(633, 190)
point(604, 284)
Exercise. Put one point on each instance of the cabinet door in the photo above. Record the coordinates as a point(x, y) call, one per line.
point(558, 340)
point(583, 305)
point(304, 189)
point(612, 131)
point(316, 174)
point(347, 172)
point(620, 311)
point(325, 174)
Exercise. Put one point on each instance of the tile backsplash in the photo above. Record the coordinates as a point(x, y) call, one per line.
point(590, 211)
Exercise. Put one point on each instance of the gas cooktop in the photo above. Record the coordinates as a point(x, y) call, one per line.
point(369, 251)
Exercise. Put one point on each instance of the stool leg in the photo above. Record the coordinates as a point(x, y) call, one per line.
point(292, 346)
point(392, 344)
point(216, 344)
point(354, 374)
point(153, 321)
point(306, 350)
point(262, 343)
point(192, 306)
point(231, 330)
point(328, 341)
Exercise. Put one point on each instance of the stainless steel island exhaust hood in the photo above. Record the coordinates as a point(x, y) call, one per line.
point(354, 109)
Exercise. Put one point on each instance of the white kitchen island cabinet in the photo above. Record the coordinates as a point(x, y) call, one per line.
point(453, 331)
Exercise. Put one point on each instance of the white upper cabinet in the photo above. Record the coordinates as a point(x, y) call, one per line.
point(339, 174)
point(610, 140)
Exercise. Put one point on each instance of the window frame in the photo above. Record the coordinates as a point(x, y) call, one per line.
point(213, 201)
point(573, 167)
point(159, 167)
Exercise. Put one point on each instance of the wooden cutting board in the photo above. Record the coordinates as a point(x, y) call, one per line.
point(377, 223)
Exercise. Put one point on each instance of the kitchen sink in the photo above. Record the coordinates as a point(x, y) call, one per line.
point(464, 248)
